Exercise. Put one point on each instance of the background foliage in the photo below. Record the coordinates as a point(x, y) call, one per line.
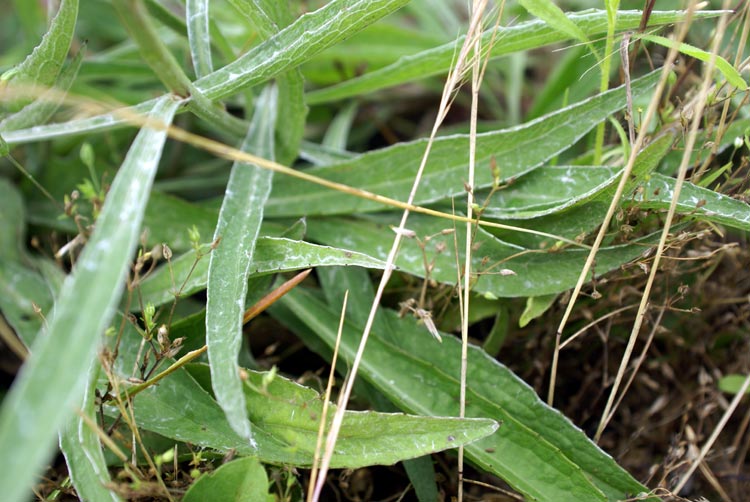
point(123, 250)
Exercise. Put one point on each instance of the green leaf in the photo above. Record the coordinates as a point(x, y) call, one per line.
point(43, 65)
point(503, 270)
point(732, 384)
point(54, 375)
point(43, 108)
point(551, 14)
point(269, 16)
point(83, 451)
point(22, 292)
point(701, 203)
point(524, 36)
point(536, 450)
point(241, 480)
point(229, 266)
point(295, 44)
point(136, 19)
point(535, 306)
point(12, 222)
point(286, 431)
point(726, 69)
point(390, 171)
point(272, 255)
point(531, 197)
point(199, 38)
point(97, 123)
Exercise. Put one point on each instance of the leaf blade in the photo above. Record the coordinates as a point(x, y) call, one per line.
point(229, 266)
point(54, 374)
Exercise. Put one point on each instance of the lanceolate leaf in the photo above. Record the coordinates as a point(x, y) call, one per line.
point(80, 444)
point(285, 418)
point(730, 73)
point(54, 375)
point(229, 265)
point(42, 109)
point(390, 171)
point(272, 255)
point(310, 34)
point(524, 36)
point(694, 201)
point(43, 65)
point(536, 450)
point(535, 272)
point(547, 11)
point(196, 13)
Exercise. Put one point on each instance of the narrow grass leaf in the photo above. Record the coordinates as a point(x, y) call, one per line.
point(83, 451)
point(536, 450)
point(295, 44)
point(43, 65)
point(199, 38)
point(726, 69)
point(272, 255)
point(229, 265)
point(54, 375)
point(390, 171)
point(241, 480)
point(553, 15)
point(524, 36)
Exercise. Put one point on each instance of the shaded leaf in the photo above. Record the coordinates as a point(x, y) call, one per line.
point(83, 451)
point(241, 480)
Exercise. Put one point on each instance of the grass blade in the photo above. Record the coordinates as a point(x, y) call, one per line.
point(54, 375)
point(537, 272)
point(229, 268)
